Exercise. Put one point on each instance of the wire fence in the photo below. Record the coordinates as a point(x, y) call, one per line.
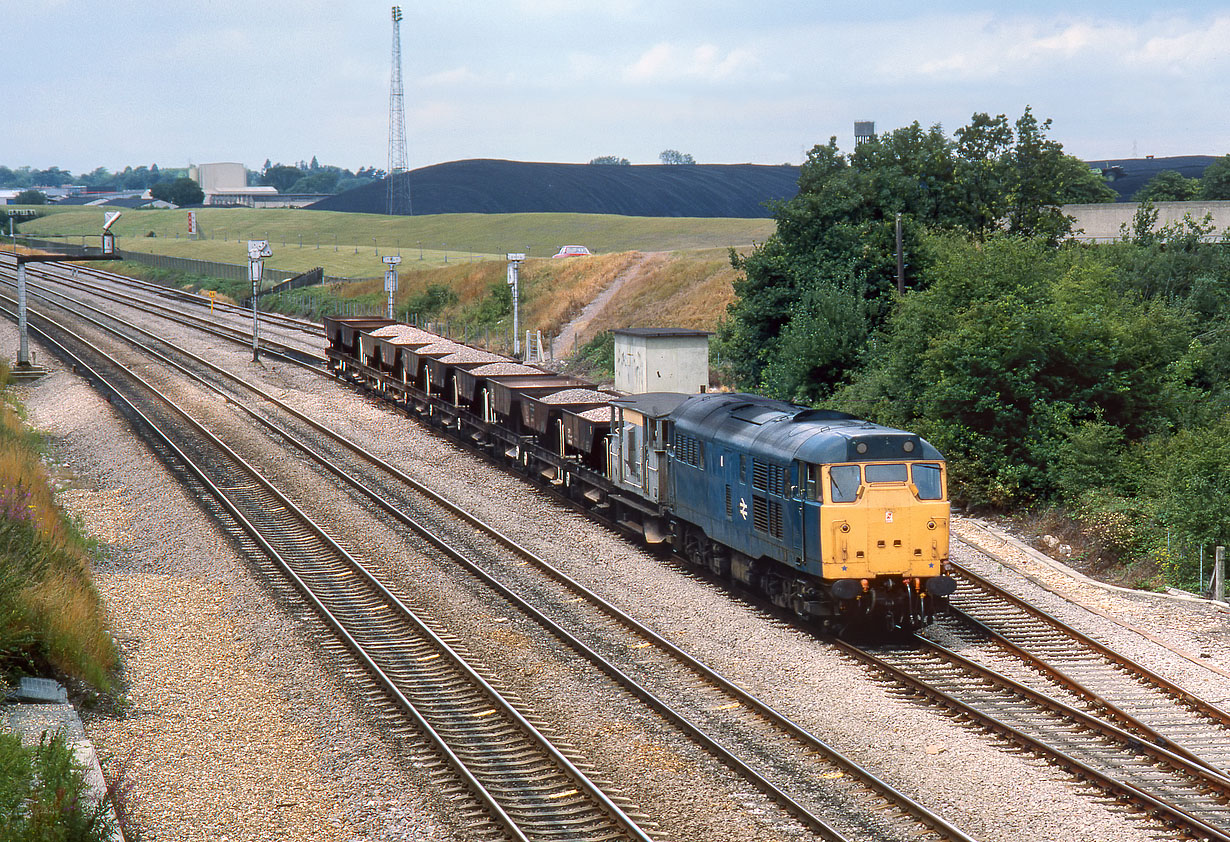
point(187, 265)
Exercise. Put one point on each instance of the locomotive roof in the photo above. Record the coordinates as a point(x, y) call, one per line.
point(780, 432)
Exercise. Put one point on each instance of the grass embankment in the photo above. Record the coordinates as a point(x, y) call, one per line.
point(685, 289)
point(303, 239)
point(51, 617)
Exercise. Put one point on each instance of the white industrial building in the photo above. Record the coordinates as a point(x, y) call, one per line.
point(665, 359)
point(226, 183)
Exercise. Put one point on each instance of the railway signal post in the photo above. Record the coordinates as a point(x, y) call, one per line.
point(390, 278)
point(257, 251)
point(514, 265)
point(25, 369)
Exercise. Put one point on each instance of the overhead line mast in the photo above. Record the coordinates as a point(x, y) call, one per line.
point(398, 176)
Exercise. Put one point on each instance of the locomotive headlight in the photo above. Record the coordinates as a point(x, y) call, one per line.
point(861, 447)
point(908, 447)
point(931, 524)
point(845, 527)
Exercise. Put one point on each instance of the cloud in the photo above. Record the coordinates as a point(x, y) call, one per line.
point(664, 62)
point(449, 78)
point(979, 47)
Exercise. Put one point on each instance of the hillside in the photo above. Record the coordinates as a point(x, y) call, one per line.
point(1127, 175)
point(495, 186)
point(346, 244)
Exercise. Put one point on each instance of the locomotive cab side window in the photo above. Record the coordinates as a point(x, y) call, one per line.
point(928, 481)
point(810, 475)
point(632, 450)
point(844, 481)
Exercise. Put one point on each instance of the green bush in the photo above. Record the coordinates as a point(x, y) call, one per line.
point(595, 359)
point(430, 302)
point(43, 794)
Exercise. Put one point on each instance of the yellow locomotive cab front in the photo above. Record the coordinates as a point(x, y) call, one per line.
point(884, 519)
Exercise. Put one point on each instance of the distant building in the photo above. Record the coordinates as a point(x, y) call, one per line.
point(227, 184)
point(666, 359)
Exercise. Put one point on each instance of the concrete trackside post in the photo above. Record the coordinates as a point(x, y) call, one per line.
point(1219, 574)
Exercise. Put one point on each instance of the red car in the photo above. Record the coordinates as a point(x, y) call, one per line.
point(573, 251)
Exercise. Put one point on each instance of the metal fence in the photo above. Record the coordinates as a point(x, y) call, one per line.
point(187, 265)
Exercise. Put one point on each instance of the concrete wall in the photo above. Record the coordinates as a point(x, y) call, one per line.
point(1102, 222)
point(661, 364)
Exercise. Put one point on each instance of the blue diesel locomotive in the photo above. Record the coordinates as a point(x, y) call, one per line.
point(829, 516)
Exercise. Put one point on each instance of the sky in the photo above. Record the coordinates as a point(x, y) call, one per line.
point(125, 83)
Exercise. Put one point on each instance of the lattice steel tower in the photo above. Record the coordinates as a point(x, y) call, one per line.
point(398, 176)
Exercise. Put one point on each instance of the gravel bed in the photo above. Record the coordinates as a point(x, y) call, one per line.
point(602, 413)
point(990, 790)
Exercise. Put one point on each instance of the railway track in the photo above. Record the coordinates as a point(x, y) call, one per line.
point(1119, 688)
point(1168, 757)
point(305, 351)
point(744, 732)
point(1157, 782)
point(524, 786)
point(1045, 686)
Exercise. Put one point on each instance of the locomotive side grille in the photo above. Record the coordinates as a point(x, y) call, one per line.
point(777, 480)
point(687, 449)
point(760, 513)
point(775, 519)
point(770, 478)
point(729, 509)
point(760, 475)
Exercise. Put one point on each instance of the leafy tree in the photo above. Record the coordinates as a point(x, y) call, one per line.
point(181, 191)
point(981, 171)
point(1215, 180)
point(430, 302)
point(835, 240)
point(1078, 184)
point(1036, 168)
point(281, 177)
point(1169, 186)
point(323, 180)
point(30, 197)
point(611, 160)
point(1011, 354)
point(674, 156)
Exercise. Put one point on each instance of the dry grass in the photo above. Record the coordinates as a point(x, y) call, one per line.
point(665, 289)
point(51, 616)
point(556, 291)
point(677, 290)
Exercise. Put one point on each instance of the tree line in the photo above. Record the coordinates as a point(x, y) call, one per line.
point(1088, 380)
point(302, 177)
point(1172, 186)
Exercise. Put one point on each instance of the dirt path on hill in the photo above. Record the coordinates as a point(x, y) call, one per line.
point(563, 345)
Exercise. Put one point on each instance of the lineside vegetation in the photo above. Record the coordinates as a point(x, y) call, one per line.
point(1088, 384)
point(52, 621)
